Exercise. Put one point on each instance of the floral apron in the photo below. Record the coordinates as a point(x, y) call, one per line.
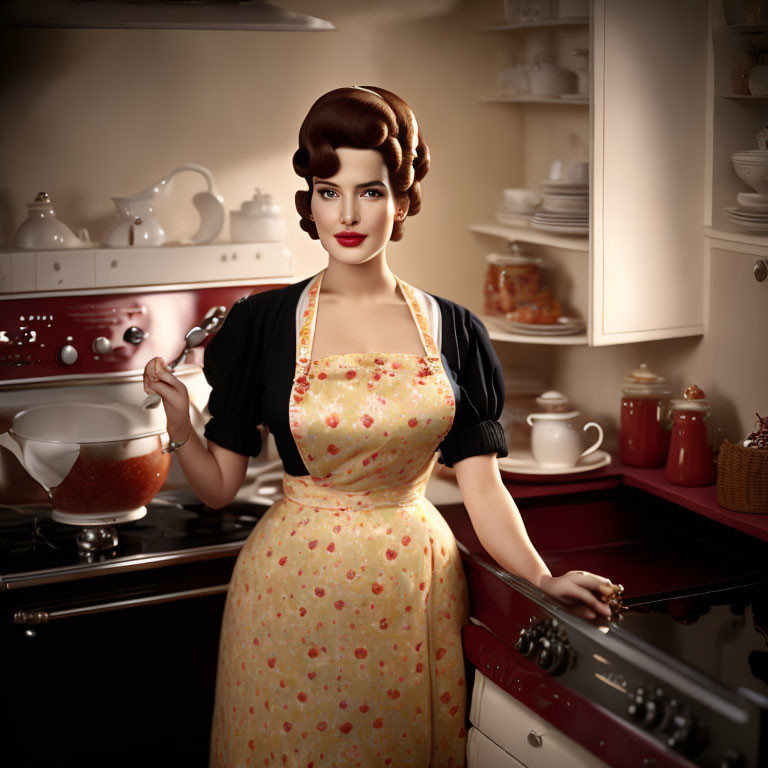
point(341, 642)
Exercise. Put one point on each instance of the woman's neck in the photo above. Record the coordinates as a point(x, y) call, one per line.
point(370, 281)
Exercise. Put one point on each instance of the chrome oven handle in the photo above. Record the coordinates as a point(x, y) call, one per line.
point(35, 617)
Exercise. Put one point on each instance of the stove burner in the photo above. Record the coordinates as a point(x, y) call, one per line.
point(236, 517)
point(91, 540)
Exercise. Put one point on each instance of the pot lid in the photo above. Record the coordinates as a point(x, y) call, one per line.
point(643, 381)
point(83, 423)
point(515, 256)
point(260, 206)
point(552, 399)
point(694, 399)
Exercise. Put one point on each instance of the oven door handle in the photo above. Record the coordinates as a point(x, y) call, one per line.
point(35, 617)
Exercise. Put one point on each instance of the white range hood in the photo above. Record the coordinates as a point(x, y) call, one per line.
point(158, 14)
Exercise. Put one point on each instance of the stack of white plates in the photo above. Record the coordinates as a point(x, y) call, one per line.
point(564, 208)
point(565, 326)
point(751, 212)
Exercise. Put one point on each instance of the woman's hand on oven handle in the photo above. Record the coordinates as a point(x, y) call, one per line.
point(214, 473)
point(502, 533)
point(583, 590)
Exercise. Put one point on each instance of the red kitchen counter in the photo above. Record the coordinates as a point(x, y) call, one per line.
point(702, 500)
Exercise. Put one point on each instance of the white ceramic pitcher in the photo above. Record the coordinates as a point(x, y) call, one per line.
point(555, 442)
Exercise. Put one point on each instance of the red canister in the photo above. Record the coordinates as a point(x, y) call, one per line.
point(644, 431)
point(690, 460)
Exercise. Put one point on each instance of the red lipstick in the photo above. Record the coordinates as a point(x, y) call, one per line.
point(349, 239)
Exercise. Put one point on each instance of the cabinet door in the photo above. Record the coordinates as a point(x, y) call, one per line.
point(649, 118)
point(521, 733)
point(483, 753)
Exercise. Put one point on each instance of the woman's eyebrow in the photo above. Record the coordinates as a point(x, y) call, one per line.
point(376, 183)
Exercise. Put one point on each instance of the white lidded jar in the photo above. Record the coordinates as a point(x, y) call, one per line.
point(41, 230)
point(258, 221)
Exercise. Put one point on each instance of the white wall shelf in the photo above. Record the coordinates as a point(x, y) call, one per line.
point(576, 21)
point(492, 99)
point(530, 235)
point(113, 268)
point(738, 242)
point(497, 333)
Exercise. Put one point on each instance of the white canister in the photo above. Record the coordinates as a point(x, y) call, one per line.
point(258, 221)
point(42, 231)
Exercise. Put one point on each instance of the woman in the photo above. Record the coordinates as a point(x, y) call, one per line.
point(341, 637)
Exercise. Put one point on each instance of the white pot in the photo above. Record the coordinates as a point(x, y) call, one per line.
point(758, 80)
point(549, 79)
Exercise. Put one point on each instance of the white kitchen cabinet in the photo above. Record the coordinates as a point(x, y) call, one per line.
point(518, 734)
point(648, 113)
point(734, 117)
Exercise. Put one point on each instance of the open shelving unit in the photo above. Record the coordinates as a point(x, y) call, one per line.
point(531, 235)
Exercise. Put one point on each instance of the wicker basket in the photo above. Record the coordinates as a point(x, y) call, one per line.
point(742, 478)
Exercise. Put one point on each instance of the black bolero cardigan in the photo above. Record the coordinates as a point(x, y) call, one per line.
point(250, 367)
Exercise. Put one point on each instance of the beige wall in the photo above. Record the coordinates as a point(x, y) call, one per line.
point(88, 114)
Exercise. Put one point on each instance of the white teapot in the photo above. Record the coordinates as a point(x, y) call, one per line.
point(554, 440)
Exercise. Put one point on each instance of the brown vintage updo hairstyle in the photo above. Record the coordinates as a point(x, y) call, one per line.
point(365, 117)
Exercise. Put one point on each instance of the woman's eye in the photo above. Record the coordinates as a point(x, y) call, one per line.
point(373, 193)
point(326, 193)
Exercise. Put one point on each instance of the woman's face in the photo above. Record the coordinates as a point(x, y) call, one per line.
point(354, 210)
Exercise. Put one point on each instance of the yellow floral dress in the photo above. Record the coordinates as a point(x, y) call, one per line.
point(341, 639)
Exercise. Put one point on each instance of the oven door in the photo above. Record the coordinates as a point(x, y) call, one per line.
point(115, 677)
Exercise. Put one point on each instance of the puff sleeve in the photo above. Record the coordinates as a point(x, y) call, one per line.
point(478, 385)
point(232, 367)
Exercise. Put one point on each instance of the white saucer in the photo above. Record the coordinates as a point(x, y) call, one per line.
point(563, 327)
point(752, 202)
point(754, 224)
point(512, 219)
point(742, 213)
point(520, 462)
point(560, 229)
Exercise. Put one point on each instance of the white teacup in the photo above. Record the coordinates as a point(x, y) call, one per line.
point(520, 200)
point(555, 442)
point(577, 173)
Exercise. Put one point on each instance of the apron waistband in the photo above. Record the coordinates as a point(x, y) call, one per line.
point(321, 494)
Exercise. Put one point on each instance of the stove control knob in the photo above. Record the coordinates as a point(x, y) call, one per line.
point(561, 656)
point(682, 730)
point(68, 355)
point(525, 643)
point(544, 653)
point(101, 345)
point(135, 335)
point(636, 706)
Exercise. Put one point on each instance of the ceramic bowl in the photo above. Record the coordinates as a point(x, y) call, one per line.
point(752, 168)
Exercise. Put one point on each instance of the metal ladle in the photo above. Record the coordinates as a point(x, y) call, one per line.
point(195, 336)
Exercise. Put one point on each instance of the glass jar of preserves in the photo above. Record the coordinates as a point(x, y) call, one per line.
point(644, 429)
point(690, 460)
point(510, 278)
